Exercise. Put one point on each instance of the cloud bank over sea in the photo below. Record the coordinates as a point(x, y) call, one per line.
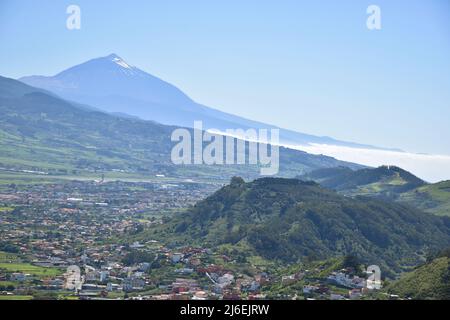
point(429, 167)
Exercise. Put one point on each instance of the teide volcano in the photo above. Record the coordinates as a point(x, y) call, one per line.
point(113, 85)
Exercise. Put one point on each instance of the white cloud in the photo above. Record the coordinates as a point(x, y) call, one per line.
point(432, 168)
point(429, 167)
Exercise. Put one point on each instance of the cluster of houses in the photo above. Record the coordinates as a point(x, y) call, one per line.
point(338, 285)
point(357, 287)
point(345, 280)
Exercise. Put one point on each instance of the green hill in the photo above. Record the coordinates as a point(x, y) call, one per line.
point(433, 198)
point(429, 281)
point(387, 182)
point(41, 132)
point(289, 220)
point(383, 181)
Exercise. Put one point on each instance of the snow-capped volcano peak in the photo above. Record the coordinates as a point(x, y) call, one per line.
point(119, 61)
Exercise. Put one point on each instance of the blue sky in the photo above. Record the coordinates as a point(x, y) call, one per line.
point(311, 66)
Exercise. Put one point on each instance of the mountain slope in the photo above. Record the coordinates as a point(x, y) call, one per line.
point(41, 132)
point(290, 220)
point(388, 182)
point(113, 85)
point(381, 180)
point(433, 198)
point(429, 281)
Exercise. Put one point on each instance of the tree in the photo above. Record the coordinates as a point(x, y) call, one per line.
point(351, 261)
point(235, 181)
